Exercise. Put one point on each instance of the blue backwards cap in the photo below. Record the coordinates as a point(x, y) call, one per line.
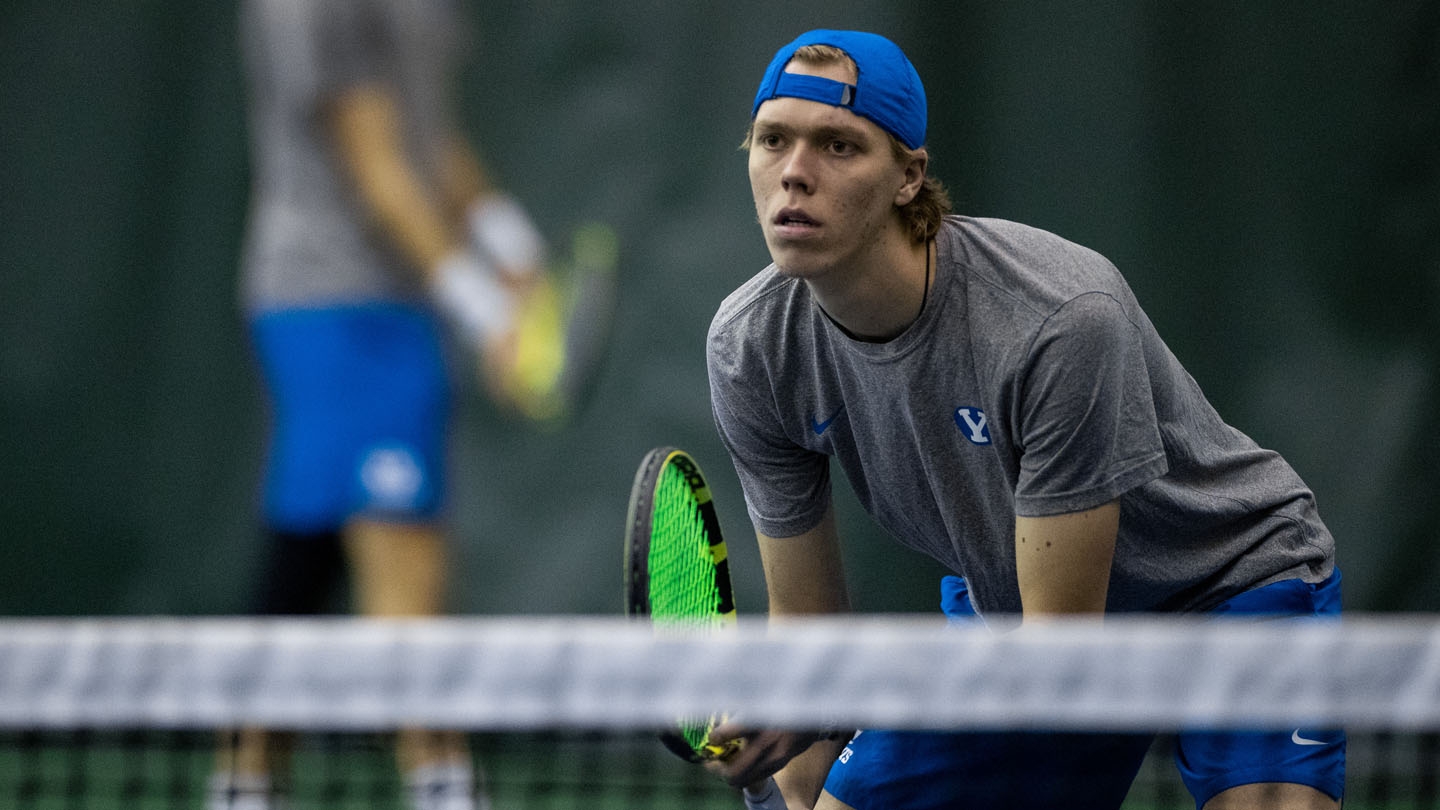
point(887, 90)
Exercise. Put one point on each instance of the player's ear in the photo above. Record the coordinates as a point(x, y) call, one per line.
point(914, 164)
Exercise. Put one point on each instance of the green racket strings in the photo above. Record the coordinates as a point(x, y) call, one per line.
point(683, 592)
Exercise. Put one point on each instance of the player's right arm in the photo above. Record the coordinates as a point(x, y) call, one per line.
point(365, 126)
point(804, 575)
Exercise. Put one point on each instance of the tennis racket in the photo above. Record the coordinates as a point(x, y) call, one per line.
point(676, 571)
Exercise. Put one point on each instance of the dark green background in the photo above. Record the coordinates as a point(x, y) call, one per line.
point(1265, 174)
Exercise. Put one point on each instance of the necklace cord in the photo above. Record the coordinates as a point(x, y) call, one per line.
point(925, 293)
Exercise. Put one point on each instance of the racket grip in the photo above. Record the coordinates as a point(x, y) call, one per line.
point(766, 797)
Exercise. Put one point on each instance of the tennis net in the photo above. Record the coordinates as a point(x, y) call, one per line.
point(560, 711)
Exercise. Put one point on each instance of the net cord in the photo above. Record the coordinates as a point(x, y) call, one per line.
point(1377, 672)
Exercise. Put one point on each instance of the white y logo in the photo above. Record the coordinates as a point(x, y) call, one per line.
point(974, 424)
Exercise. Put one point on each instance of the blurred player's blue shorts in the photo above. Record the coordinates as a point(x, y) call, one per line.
point(360, 403)
point(920, 770)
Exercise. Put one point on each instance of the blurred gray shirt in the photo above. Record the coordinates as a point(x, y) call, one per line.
point(308, 242)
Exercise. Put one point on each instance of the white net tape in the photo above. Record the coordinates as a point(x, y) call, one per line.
point(1364, 672)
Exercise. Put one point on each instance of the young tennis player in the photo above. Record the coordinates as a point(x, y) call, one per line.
point(999, 401)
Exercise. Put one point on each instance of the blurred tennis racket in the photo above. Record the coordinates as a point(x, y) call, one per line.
point(676, 571)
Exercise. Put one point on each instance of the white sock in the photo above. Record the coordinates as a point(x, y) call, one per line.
point(444, 786)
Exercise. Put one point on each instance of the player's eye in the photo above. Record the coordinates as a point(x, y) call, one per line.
point(841, 148)
point(769, 140)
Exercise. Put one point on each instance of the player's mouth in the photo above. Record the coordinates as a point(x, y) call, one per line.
point(794, 222)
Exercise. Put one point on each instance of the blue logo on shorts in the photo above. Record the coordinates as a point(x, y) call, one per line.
point(973, 424)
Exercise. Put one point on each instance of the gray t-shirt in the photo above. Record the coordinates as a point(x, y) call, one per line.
point(308, 242)
point(1031, 384)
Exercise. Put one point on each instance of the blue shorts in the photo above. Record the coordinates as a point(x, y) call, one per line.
point(1210, 762)
point(921, 770)
point(360, 402)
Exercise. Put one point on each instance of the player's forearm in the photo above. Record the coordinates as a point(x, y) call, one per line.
point(410, 220)
point(802, 779)
point(368, 136)
point(805, 574)
point(464, 179)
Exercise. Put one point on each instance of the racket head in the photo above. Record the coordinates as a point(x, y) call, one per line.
point(677, 572)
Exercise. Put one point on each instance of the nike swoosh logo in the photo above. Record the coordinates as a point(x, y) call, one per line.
point(821, 427)
point(1298, 740)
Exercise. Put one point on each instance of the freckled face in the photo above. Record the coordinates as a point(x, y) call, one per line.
point(825, 180)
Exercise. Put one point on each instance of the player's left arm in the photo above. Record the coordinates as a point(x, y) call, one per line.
point(1063, 561)
point(1088, 425)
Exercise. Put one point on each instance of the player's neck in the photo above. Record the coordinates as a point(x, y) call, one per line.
point(877, 300)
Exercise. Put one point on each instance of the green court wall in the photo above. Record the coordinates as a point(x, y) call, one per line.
point(1265, 174)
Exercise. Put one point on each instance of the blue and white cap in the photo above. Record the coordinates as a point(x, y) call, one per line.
point(887, 90)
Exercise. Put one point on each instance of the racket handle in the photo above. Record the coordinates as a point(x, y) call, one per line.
point(766, 797)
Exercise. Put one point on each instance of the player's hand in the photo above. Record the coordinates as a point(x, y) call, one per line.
point(487, 313)
point(763, 753)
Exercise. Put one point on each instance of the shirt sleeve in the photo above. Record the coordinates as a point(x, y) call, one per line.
point(1086, 418)
point(352, 46)
point(786, 486)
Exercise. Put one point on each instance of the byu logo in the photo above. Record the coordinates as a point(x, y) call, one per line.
point(973, 424)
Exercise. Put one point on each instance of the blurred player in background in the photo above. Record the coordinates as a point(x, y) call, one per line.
point(999, 401)
point(374, 232)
